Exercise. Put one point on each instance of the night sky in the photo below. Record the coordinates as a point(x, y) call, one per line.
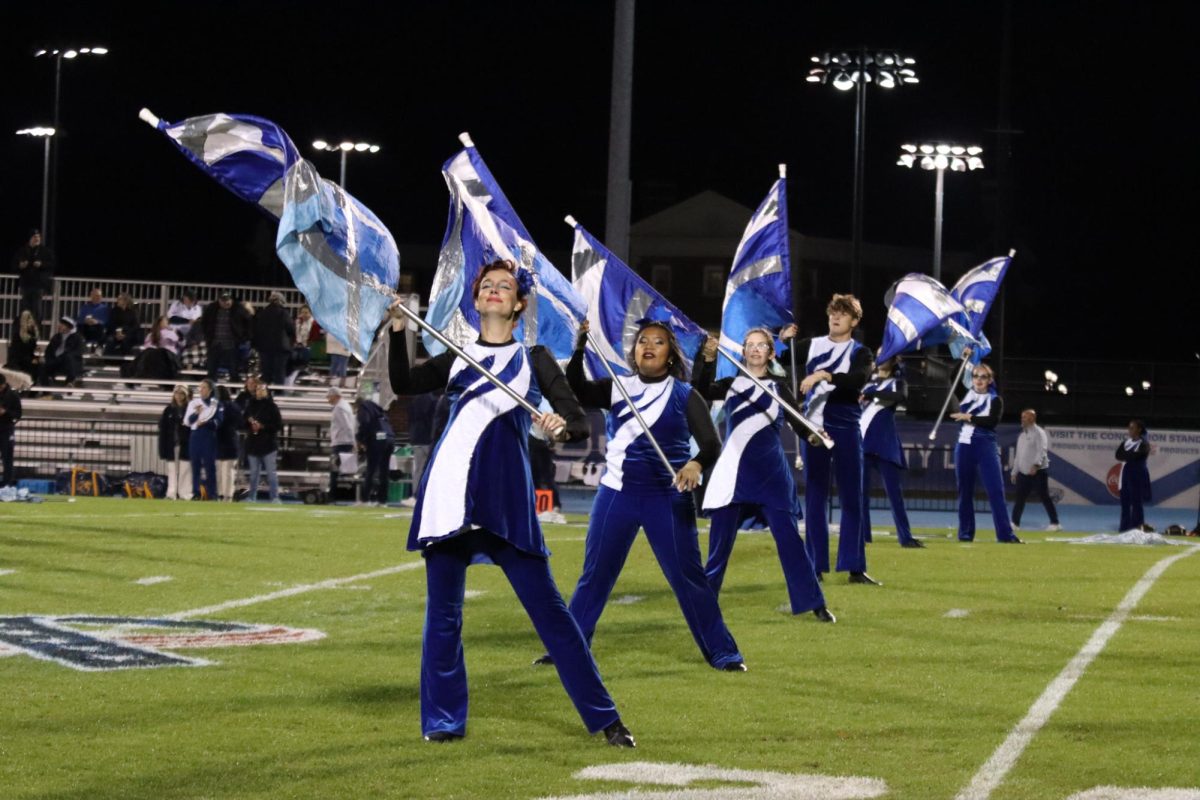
point(1104, 164)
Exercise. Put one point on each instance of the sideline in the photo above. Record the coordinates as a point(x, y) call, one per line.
point(992, 773)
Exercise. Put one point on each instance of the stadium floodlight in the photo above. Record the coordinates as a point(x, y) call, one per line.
point(1062, 388)
point(1129, 391)
point(44, 133)
point(854, 69)
point(50, 190)
point(940, 156)
point(344, 148)
point(1145, 386)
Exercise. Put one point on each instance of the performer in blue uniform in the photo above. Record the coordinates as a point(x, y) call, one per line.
point(751, 484)
point(980, 412)
point(881, 446)
point(836, 368)
point(638, 492)
point(475, 504)
point(204, 415)
point(1134, 481)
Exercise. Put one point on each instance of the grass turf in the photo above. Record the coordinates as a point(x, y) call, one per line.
point(896, 690)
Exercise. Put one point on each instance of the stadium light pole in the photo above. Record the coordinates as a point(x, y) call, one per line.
point(345, 148)
point(940, 156)
point(59, 55)
point(854, 69)
point(45, 134)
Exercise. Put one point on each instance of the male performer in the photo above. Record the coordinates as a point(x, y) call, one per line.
point(836, 368)
point(1031, 469)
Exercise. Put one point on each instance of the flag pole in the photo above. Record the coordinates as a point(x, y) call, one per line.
point(823, 437)
point(629, 401)
point(949, 395)
point(799, 462)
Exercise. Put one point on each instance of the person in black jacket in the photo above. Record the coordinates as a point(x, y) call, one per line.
point(22, 349)
point(10, 414)
point(376, 437)
point(226, 326)
point(227, 444)
point(124, 331)
point(173, 437)
point(263, 423)
point(274, 335)
point(34, 265)
point(64, 355)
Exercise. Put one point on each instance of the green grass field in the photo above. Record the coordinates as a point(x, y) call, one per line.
point(896, 691)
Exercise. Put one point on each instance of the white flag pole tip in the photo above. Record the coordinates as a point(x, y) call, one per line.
point(783, 170)
point(146, 116)
point(465, 138)
point(1012, 252)
point(570, 220)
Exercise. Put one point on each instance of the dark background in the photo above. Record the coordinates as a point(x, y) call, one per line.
point(1104, 165)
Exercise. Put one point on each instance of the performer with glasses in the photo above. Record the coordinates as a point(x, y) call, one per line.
point(980, 412)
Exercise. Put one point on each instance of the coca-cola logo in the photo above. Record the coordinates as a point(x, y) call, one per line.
point(1113, 480)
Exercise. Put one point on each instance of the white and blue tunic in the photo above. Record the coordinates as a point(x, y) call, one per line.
point(878, 424)
point(632, 464)
point(478, 474)
point(835, 404)
point(987, 408)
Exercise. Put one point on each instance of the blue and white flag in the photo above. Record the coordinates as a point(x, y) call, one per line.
point(759, 291)
point(341, 257)
point(922, 313)
point(977, 290)
point(483, 227)
point(617, 300)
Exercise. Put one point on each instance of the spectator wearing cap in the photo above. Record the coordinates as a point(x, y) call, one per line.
point(34, 265)
point(273, 337)
point(183, 312)
point(64, 355)
point(226, 326)
point(93, 318)
point(341, 434)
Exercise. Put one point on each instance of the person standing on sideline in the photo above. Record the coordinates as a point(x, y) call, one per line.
point(980, 412)
point(263, 423)
point(1031, 470)
point(227, 444)
point(10, 415)
point(203, 416)
point(882, 449)
point(476, 505)
point(341, 435)
point(752, 481)
point(638, 492)
point(377, 440)
point(421, 435)
point(173, 437)
point(836, 369)
point(34, 265)
point(1134, 481)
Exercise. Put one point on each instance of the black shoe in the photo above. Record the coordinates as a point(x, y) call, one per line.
point(441, 737)
point(734, 666)
point(543, 660)
point(913, 543)
point(862, 577)
point(619, 736)
point(820, 577)
point(824, 614)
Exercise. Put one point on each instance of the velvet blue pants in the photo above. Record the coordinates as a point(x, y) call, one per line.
point(982, 455)
point(891, 486)
point(845, 461)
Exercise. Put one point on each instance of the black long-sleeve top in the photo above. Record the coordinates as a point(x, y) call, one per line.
point(1140, 452)
point(435, 374)
point(704, 371)
point(847, 386)
point(10, 401)
point(598, 394)
point(263, 411)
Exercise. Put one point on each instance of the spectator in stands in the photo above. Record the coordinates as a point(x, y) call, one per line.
point(263, 423)
point(162, 335)
point(377, 440)
point(93, 318)
point(273, 337)
point(341, 436)
point(193, 352)
point(227, 444)
point(203, 416)
point(183, 312)
point(173, 437)
point(22, 349)
point(339, 359)
point(124, 330)
point(307, 331)
point(10, 414)
point(64, 355)
point(34, 265)
point(226, 327)
point(1134, 479)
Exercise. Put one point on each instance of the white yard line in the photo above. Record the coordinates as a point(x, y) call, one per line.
point(332, 583)
point(992, 773)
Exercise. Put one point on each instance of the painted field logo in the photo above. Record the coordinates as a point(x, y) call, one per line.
point(1112, 481)
point(106, 643)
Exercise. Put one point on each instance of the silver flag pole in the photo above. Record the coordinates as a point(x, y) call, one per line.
point(812, 427)
point(949, 396)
